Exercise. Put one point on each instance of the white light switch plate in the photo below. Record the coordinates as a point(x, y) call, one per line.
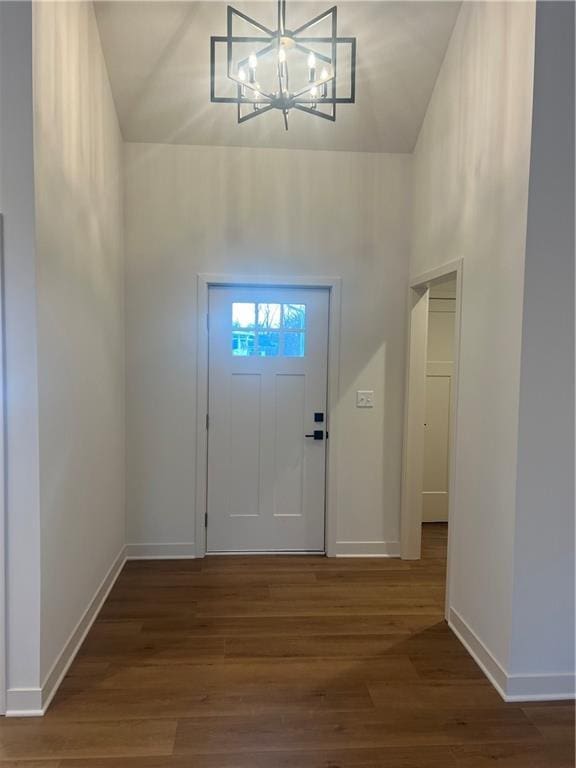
point(365, 398)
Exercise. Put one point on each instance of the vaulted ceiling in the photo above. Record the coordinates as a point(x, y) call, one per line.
point(157, 54)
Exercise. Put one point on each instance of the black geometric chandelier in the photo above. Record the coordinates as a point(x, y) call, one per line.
point(309, 68)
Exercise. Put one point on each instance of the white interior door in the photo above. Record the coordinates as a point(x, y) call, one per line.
point(268, 359)
point(437, 420)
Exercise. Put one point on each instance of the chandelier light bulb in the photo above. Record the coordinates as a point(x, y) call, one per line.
point(324, 76)
point(311, 67)
point(314, 97)
point(252, 64)
point(282, 63)
point(242, 78)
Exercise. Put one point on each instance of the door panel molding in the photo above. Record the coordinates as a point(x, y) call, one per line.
point(204, 283)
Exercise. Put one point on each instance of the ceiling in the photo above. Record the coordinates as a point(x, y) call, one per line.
point(157, 54)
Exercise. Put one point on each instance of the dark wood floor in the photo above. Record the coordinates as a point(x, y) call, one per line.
point(283, 662)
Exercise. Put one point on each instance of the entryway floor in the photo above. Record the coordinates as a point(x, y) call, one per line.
point(283, 662)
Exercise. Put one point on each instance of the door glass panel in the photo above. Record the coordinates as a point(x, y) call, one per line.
point(294, 342)
point(268, 343)
point(243, 343)
point(243, 315)
point(267, 329)
point(269, 315)
point(294, 315)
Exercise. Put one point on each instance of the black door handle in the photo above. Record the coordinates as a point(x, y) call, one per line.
point(318, 434)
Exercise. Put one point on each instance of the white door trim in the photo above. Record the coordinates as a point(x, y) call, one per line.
point(410, 520)
point(3, 554)
point(334, 286)
point(414, 418)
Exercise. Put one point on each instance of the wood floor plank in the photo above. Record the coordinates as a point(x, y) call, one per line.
point(274, 626)
point(143, 609)
point(514, 756)
point(405, 577)
point(159, 566)
point(199, 579)
point(315, 646)
point(52, 739)
point(329, 730)
point(377, 593)
point(406, 757)
point(312, 606)
point(30, 763)
point(154, 648)
point(189, 594)
point(101, 705)
point(285, 563)
point(254, 671)
point(436, 694)
point(446, 666)
point(555, 723)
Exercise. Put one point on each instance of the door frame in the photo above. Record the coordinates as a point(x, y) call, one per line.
point(415, 398)
point(334, 287)
point(3, 541)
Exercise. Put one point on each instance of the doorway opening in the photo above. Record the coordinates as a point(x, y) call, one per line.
point(431, 411)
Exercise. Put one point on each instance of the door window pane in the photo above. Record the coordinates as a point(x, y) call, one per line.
point(268, 329)
point(268, 344)
point(243, 343)
point(294, 342)
point(269, 315)
point(294, 315)
point(243, 315)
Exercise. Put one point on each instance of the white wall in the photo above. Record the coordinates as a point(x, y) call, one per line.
point(543, 599)
point(470, 186)
point(22, 468)
point(208, 209)
point(79, 221)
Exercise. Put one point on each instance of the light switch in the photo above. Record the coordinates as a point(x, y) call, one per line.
point(365, 398)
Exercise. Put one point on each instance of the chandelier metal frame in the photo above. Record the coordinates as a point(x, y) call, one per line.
point(318, 91)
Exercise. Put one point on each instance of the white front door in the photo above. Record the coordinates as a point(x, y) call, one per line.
point(268, 356)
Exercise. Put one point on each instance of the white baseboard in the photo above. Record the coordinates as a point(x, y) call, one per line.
point(476, 648)
point(530, 687)
point(541, 687)
point(265, 552)
point(367, 549)
point(33, 702)
point(168, 551)
point(24, 702)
